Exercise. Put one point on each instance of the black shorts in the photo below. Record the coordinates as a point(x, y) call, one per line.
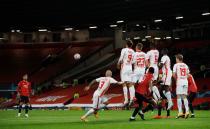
point(24, 99)
point(141, 98)
point(191, 96)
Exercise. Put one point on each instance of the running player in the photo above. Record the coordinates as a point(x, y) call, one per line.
point(180, 74)
point(125, 64)
point(165, 86)
point(24, 91)
point(192, 90)
point(98, 96)
point(142, 91)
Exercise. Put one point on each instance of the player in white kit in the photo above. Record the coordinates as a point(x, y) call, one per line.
point(98, 96)
point(125, 65)
point(165, 83)
point(152, 57)
point(139, 64)
point(180, 73)
point(165, 65)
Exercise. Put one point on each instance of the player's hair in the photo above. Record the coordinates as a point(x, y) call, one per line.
point(164, 51)
point(25, 75)
point(108, 73)
point(179, 57)
point(129, 43)
point(152, 46)
point(154, 82)
point(139, 46)
point(151, 70)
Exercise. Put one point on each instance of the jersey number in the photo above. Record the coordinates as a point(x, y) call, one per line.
point(140, 62)
point(102, 84)
point(183, 71)
point(129, 58)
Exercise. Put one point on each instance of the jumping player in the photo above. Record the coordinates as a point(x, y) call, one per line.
point(98, 96)
point(192, 90)
point(24, 91)
point(180, 74)
point(125, 65)
point(152, 57)
point(139, 65)
point(141, 94)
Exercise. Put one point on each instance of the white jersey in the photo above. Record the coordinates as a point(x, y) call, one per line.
point(181, 70)
point(152, 56)
point(165, 60)
point(104, 83)
point(126, 57)
point(139, 60)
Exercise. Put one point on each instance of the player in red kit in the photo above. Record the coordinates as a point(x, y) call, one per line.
point(192, 90)
point(24, 91)
point(141, 93)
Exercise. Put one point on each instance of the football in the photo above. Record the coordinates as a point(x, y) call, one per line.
point(77, 56)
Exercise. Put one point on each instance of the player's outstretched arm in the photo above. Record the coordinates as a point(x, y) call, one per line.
point(89, 86)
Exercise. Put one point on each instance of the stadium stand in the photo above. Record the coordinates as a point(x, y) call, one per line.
point(65, 96)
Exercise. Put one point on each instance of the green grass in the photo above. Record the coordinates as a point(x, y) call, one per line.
point(51, 119)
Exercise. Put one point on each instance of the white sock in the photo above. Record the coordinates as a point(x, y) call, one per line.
point(155, 96)
point(168, 96)
point(89, 112)
point(125, 92)
point(156, 91)
point(132, 93)
point(132, 117)
point(186, 105)
point(141, 112)
point(179, 104)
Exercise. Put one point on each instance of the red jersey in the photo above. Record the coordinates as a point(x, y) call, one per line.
point(191, 84)
point(143, 86)
point(24, 88)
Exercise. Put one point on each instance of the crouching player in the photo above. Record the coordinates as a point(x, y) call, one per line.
point(142, 90)
point(98, 96)
point(24, 91)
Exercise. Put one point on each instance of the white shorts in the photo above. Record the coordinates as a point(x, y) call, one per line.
point(167, 78)
point(126, 74)
point(97, 100)
point(182, 88)
point(137, 75)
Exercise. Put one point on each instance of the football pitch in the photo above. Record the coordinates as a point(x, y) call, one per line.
point(69, 119)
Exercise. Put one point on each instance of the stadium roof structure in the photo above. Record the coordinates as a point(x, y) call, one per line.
point(33, 14)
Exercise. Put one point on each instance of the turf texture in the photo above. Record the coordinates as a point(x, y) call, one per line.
point(70, 119)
